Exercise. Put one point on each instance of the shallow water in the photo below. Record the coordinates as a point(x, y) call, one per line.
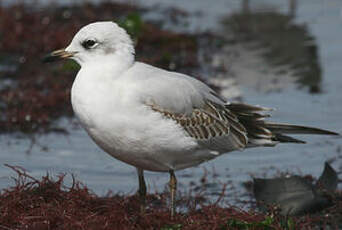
point(77, 154)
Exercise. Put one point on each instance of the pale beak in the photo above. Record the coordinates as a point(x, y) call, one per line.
point(58, 55)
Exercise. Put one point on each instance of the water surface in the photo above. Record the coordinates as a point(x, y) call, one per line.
point(77, 154)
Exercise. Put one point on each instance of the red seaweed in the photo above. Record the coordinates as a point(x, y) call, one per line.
point(47, 203)
point(40, 94)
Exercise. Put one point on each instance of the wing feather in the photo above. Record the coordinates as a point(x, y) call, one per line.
point(212, 125)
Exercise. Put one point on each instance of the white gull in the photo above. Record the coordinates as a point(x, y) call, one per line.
point(155, 119)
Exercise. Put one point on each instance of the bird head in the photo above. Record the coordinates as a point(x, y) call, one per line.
point(96, 42)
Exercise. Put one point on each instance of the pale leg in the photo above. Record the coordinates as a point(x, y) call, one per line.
point(173, 189)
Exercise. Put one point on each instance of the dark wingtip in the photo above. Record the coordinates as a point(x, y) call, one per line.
point(331, 133)
point(297, 129)
point(288, 139)
point(324, 131)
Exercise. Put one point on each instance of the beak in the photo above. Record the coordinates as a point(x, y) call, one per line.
point(58, 55)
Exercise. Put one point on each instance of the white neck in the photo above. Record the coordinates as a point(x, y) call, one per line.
point(110, 63)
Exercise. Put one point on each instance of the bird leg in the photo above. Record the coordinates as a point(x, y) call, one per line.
point(173, 188)
point(142, 190)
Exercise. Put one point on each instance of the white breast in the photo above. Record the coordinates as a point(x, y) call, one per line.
point(127, 129)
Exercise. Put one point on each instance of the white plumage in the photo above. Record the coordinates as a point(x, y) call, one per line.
point(154, 119)
point(111, 94)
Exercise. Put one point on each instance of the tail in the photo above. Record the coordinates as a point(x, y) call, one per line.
point(266, 133)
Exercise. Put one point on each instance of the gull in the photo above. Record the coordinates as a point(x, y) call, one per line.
point(155, 119)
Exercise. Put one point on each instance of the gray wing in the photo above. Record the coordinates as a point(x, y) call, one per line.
point(213, 126)
point(209, 122)
point(214, 123)
point(204, 116)
point(195, 107)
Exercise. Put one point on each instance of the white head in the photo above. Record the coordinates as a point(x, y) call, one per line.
point(99, 41)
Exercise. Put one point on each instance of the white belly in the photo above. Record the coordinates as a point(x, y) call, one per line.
point(146, 141)
point(133, 133)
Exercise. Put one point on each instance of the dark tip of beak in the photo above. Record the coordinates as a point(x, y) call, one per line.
point(49, 58)
point(57, 55)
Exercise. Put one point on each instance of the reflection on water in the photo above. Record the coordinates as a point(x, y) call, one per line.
point(285, 43)
point(77, 154)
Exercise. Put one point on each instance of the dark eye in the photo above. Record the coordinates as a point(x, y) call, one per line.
point(88, 44)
